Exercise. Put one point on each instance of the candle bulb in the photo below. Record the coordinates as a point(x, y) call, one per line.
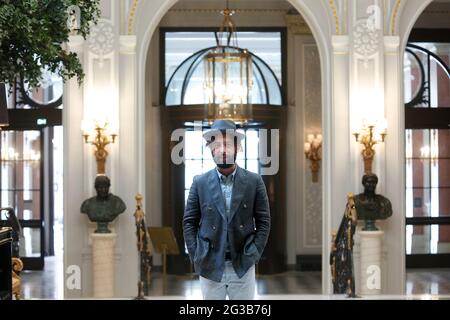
point(383, 125)
point(307, 147)
point(84, 126)
point(319, 138)
point(113, 128)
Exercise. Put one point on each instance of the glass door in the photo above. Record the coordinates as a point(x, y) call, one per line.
point(428, 197)
point(21, 189)
point(427, 117)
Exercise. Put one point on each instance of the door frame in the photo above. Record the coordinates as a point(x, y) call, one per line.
point(24, 120)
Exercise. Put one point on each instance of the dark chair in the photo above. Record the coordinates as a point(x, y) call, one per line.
point(11, 221)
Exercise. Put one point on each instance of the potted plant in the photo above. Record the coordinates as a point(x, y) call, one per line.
point(32, 33)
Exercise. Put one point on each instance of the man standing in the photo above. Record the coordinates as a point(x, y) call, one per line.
point(227, 220)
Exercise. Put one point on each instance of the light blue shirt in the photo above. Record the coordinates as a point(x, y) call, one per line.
point(226, 184)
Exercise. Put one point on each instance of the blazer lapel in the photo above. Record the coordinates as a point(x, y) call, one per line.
point(216, 192)
point(239, 188)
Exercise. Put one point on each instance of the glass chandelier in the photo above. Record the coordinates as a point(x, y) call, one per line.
point(228, 76)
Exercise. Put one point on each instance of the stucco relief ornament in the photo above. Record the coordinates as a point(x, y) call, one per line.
point(101, 40)
point(365, 40)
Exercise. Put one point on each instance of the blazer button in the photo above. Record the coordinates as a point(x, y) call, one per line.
point(245, 206)
point(214, 227)
point(241, 226)
point(212, 246)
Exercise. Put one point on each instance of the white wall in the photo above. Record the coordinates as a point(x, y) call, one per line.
point(110, 66)
point(304, 197)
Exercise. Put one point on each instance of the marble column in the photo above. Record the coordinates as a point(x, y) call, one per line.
point(370, 272)
point(103, 264)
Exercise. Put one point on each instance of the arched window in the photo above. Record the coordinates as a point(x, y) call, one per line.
point(183, 74)
point(186, 84)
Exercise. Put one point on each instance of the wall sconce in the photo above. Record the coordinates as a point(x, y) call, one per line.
point(369, 136)
point(102, 138)
point(313, 152)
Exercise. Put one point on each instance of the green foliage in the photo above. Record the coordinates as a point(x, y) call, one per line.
point(32, 33)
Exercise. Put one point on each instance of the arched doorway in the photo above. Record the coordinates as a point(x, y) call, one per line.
point(181, 108)
point(154, 192)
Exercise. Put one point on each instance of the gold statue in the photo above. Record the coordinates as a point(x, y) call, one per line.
point(16, 263)
point(341, 257)
point(17, 266)
point(143, 246)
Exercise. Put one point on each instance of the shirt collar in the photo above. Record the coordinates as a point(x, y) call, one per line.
point(232, 174)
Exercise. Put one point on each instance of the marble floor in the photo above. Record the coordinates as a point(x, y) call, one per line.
point(48, 284)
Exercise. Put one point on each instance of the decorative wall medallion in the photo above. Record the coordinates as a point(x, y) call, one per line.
point(102, 39)
point(365, 41)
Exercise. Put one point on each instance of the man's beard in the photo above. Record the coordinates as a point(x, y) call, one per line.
point(225, 163)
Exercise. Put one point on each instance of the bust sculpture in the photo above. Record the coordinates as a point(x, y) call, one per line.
point(371, 206)
point(104, 207)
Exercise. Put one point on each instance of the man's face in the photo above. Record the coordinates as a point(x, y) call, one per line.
point(102, 189)
point(370, 184)
point(224, 151)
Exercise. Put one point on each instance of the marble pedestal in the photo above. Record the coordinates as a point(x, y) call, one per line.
point(103, 264)
point(370, 262)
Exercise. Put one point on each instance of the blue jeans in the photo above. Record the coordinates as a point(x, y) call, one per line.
point(236, 288)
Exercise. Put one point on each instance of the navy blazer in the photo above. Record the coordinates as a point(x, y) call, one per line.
point(205, 223)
